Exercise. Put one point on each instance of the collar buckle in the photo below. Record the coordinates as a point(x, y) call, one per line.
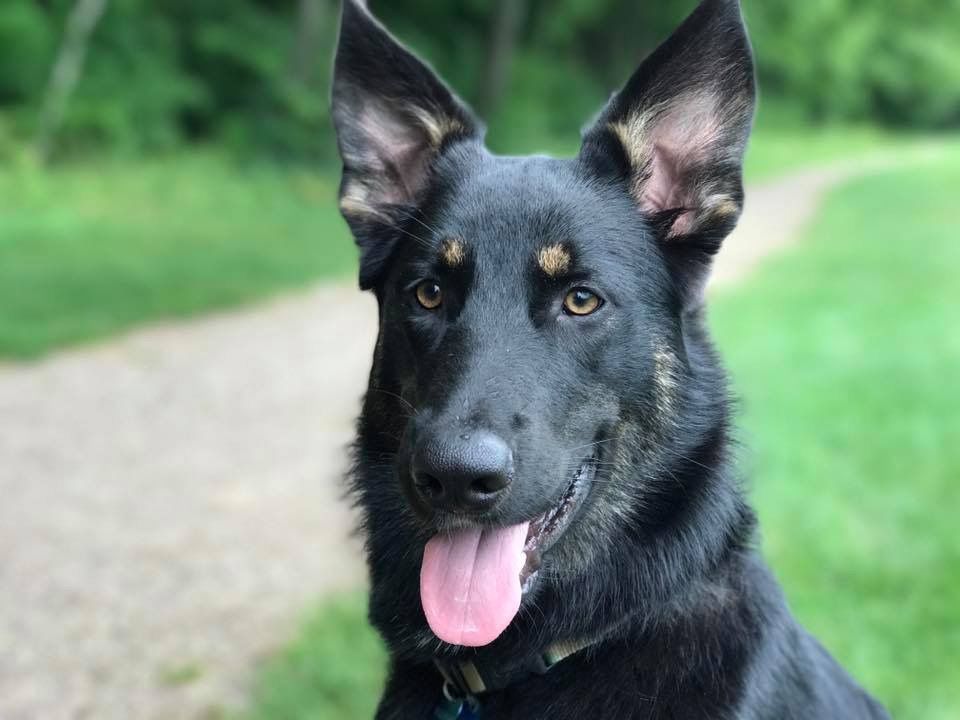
point(455, 703)
point(469, 680)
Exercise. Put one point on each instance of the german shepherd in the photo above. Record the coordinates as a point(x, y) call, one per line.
point(554, 525)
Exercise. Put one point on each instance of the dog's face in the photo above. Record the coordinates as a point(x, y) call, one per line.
point(532, 375)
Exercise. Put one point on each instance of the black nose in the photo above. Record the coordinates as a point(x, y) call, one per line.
point(462, 473)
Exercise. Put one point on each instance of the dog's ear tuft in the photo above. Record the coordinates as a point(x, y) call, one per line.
point(678, 129)
point(393, 117)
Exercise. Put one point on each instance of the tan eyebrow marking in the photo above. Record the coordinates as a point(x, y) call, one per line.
point(554, 260)
point(453, 252)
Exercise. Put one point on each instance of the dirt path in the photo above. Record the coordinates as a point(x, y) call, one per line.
point(169, 500)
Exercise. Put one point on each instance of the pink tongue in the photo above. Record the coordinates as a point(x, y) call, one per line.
point(470, 583)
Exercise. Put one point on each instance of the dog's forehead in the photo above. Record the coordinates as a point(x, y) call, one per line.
point(513, 214)
point(506, 207)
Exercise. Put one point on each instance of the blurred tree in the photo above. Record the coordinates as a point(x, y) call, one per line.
point(253, 74)
point(893, 62)
point(310, 18)
point(507, 19)
point(81, 23)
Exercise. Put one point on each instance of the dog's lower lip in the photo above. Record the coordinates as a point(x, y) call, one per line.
point(547, 529)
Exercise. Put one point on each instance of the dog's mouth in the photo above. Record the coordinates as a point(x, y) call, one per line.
point(472, 581)
point(545, 530)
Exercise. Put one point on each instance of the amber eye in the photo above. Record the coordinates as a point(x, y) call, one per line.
point(429, 295)
point(581, 301)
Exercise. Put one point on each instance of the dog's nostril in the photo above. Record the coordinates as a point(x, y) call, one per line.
point(429, 486)
point(488, 484)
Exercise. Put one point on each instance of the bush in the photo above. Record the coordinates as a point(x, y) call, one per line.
point(897, 63)
point(27, 39)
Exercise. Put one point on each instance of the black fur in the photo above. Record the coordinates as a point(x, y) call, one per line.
point(658, 564)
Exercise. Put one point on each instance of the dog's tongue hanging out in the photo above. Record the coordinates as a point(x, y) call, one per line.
point(470, 583)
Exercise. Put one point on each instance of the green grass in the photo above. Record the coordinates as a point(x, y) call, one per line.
point(332, 671)
point(87, 251)
point(775, 149)
point(846, 351)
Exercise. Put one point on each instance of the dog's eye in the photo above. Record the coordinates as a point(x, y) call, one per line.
point(429, 295)
point(581, 301)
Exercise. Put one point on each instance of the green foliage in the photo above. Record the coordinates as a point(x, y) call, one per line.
point(133, 87)
point(532, 121)
point(898, 63)
point(91, 250)
point(158, 74)
point(26, 44)
point(842, 352)
point(254, 74)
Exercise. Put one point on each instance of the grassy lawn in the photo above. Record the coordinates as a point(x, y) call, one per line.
point(333, 671)
point(845, 351)
point(776, 149)
point(90, 250)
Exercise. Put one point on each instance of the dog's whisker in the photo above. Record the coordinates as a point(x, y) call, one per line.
point(593, 444)
point(402, 399)
point(421, 241)
point(412, 215)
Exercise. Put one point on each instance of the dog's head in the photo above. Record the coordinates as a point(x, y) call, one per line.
point(540, 376)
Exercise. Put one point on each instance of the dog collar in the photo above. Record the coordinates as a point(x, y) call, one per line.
point(465, 682)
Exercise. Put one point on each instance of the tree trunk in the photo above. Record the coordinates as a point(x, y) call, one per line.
point(310, 20)
point(505, 27)
point(81, 22)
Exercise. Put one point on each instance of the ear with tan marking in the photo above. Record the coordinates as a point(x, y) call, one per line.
point(393, 117)
point(677, 131)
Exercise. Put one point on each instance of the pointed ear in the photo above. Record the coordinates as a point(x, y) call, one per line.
point(393, 117)
point(678, 129)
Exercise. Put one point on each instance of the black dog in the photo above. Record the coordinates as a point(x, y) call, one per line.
point(554, 525)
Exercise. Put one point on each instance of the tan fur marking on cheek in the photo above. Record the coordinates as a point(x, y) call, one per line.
point(665, 377)
point(453, 252)
point(554, 260)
